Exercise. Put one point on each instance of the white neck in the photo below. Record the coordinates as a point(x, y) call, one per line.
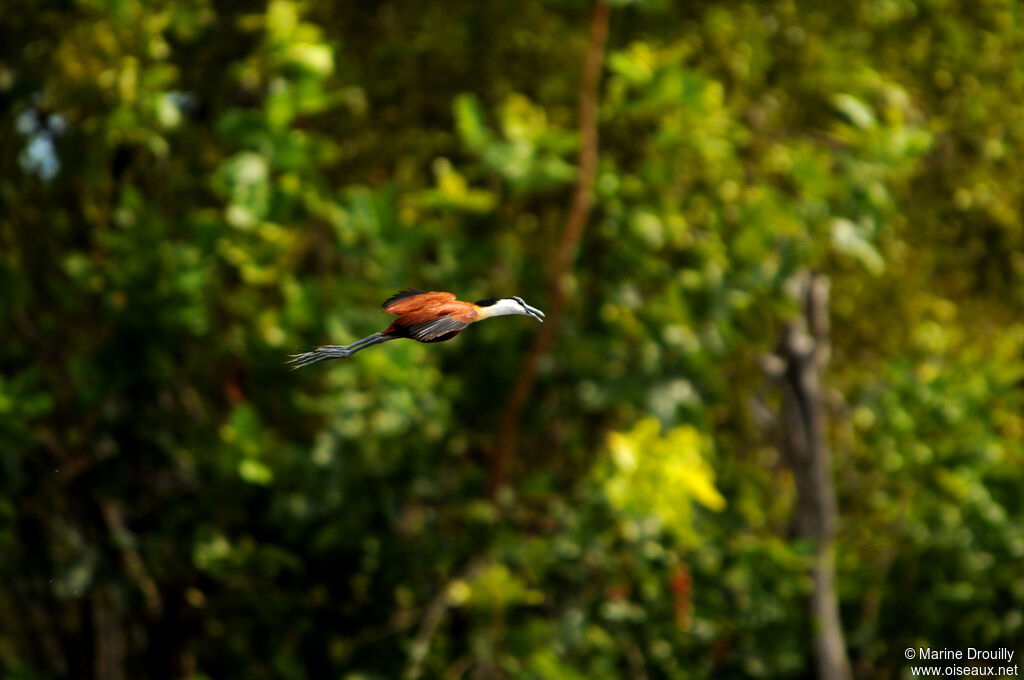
point(502, 308)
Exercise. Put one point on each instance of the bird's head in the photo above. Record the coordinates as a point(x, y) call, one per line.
point(511, 305)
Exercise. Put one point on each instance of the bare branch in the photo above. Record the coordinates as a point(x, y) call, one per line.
point(574, 226)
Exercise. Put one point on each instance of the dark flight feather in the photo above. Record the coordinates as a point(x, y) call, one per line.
point(432, 330)
point(401, 295)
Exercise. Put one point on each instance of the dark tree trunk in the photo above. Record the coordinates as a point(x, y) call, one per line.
point(798, 364)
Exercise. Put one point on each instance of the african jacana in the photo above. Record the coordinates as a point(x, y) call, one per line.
point(424, 317)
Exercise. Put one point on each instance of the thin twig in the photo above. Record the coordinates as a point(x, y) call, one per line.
point(134, 566)
point(432, 617)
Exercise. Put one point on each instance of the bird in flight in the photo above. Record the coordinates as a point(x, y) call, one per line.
point(424, 317)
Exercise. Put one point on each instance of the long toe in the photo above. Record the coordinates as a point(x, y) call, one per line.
point(320, 354)
point(305, 359)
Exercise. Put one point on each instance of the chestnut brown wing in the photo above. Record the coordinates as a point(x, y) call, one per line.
point(411, 300)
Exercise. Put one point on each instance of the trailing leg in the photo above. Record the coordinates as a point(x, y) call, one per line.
point(337, 351)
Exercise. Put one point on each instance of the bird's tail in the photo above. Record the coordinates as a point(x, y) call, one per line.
point(336, 351)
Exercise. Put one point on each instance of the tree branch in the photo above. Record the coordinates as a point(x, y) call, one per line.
point(575, 223)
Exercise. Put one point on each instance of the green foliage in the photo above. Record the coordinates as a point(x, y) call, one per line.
point(656, 476)
point(190, 191)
